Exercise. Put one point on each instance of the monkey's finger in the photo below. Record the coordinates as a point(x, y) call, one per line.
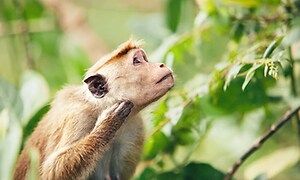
point(108, 112)
point(114, 107)
point(124, 109)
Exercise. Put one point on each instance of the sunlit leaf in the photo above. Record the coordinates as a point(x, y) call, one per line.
point(155, 144)
point(248, 4)
point(34, 93)
point(186, 129)
point(272, 47)
point(208, 6)
point(250, 74)
point(232, 73)
point(9, 148)
point(266, 70)
point(10, 99)
point(175, 113)
point(200, 18)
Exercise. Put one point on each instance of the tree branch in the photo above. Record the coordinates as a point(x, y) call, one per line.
point(274, 128)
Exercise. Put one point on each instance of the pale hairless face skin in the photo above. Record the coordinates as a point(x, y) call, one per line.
point(137, 80)
point(143, 82)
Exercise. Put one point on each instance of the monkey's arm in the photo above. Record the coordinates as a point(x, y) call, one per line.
point(79, 160)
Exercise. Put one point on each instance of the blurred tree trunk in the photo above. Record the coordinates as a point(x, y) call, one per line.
point(73, 22)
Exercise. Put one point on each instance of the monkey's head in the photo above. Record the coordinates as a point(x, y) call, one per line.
point(127, 74)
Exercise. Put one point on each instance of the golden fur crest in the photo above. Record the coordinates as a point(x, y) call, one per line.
point(116, 54)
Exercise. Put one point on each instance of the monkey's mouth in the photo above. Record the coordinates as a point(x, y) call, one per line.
point(165, 77)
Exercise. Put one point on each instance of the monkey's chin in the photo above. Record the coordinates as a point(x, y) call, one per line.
point(163, 87)
point(166, 83)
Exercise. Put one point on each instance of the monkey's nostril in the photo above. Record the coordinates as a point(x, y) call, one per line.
point(161, 65)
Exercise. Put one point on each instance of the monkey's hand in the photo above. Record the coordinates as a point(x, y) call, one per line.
point(119, 112)
point(79, 159)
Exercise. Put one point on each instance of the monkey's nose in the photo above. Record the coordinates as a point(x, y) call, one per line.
point(161, 65)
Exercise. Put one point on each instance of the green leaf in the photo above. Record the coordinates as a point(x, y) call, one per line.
point(33, 121)
point(173, 13)
point(171, 175)
point(10, 99)
point(147, 174)
point(238, 31)
point(266, 70)
point(248, 4)
point(208, 6)
point(33, 9)
point(9, 148)
point(186, 129)
point(155, 144)
point(159, 113)
point(232, 73)
point(195, 171)
point(7, 11)
point(192, 171)
point(272, 47)
point(250, 74)
point(262, 176)
point(234, 99)
point(34, 92)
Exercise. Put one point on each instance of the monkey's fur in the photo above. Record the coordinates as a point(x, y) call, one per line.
point(94, 131)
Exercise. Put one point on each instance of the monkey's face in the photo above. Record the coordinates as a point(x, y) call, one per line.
point(132, 77)
point(143, 82)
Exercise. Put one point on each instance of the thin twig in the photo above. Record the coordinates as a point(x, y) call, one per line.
point(274, 128)
point(159, 126)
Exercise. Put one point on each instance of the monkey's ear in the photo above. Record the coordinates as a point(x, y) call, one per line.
point(97, 85)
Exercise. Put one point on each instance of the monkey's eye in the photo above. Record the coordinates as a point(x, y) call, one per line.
point(136, 61)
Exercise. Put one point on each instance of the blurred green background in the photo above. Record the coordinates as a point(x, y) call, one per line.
point(237, 72)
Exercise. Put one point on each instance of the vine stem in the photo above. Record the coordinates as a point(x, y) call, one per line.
point(274, 128)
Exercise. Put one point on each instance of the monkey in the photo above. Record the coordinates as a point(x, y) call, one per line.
point(94, 130)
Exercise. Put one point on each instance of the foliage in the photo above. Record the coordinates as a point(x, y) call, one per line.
point(236, 65)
